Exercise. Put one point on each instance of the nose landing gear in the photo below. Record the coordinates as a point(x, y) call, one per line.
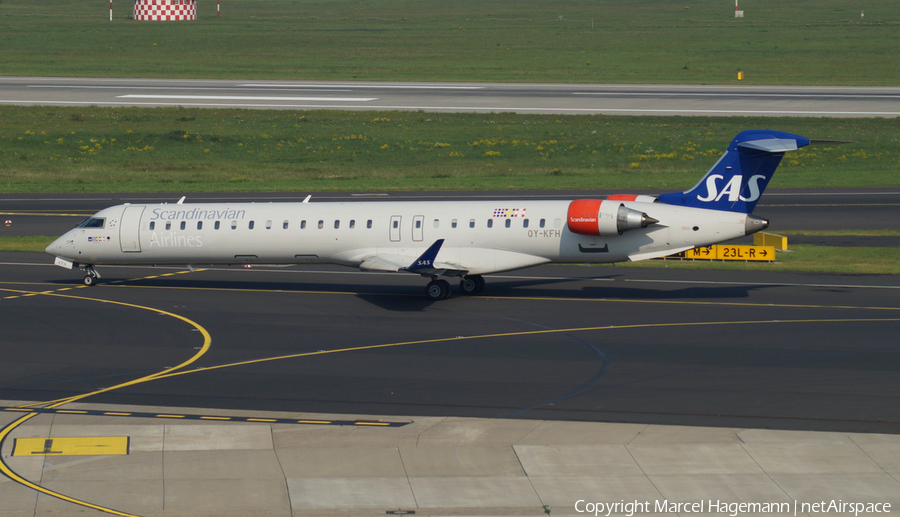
point(91, 276)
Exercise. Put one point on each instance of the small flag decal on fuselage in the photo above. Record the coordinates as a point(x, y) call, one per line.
point(509, 212)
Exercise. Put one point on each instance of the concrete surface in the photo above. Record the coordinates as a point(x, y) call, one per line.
point(437, 466)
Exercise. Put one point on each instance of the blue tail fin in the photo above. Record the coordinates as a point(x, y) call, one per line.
point(736, 182)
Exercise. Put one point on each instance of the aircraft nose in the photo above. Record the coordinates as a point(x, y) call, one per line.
point(57, 247)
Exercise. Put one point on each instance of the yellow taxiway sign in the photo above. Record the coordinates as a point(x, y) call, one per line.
point(728, 252)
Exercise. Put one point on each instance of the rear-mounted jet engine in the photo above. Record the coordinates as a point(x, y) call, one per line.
point(599, 217)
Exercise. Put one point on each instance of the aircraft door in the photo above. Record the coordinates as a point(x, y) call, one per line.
point(395, 228)
point(130, 229)
point(418, 225)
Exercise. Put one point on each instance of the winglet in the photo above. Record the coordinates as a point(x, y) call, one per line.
point(426, 260)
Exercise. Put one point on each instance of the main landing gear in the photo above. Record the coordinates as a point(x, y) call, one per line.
point(439, 289)
point(471, 285)
point(91, 276)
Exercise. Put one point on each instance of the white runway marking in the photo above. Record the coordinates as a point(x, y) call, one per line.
point(353, 85)
point(246, 98)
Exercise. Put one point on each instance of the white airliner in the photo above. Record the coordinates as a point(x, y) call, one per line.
point(438, 239)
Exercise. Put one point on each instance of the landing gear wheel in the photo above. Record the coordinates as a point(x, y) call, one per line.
point(471, 284)
point(92, 275)
point(437, 290)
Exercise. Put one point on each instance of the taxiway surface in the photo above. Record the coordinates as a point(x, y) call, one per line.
point(606, 344)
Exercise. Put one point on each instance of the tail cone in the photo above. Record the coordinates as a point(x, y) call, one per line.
point(755, 224)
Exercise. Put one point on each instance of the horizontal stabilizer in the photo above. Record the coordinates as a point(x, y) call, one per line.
point(771, 145)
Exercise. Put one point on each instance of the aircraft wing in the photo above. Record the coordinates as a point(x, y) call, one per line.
point(424, 264)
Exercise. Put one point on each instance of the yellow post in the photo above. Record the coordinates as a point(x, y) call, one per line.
point(740, 76)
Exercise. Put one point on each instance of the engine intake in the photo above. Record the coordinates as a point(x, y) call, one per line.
point(599, 217)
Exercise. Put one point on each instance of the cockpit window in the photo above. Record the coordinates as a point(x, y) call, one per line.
point(92, 222)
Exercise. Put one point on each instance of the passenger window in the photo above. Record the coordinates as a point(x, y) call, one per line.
point(352, 223)
point(525, 223)
point(303, 224)
point(490, 223)
point(183, 225)
point(543, 222)
point(285, 225)
point(321, 224)
point(418, 224)
point(369, 224)
point(168, 225)
point(152, 224)
point(216, 226)
point(234, 225)
point(396, 224)
point(337, 224)
point(268, 225)
point(471, 223)
point(199, 225)
point(453, 223)
point(436, 223)
point(508, 223)
point(251, 225)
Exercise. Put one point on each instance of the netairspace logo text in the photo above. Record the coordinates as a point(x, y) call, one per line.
point(631, 508)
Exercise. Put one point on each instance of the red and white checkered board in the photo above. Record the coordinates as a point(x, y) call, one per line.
point(165, 10)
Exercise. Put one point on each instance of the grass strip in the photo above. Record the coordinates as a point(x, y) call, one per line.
point(828, 42)
point(95, 149)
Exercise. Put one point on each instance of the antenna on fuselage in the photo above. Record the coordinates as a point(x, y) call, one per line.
point(180, 201)
point(307, 198)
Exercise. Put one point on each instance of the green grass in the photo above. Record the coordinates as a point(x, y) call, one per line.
point(30, 243)
point(91, 149)
point(596, 41)
point(843, 233)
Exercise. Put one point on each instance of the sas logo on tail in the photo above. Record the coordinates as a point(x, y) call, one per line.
point(732, 188)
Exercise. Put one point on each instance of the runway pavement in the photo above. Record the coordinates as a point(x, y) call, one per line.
point(459, 97)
